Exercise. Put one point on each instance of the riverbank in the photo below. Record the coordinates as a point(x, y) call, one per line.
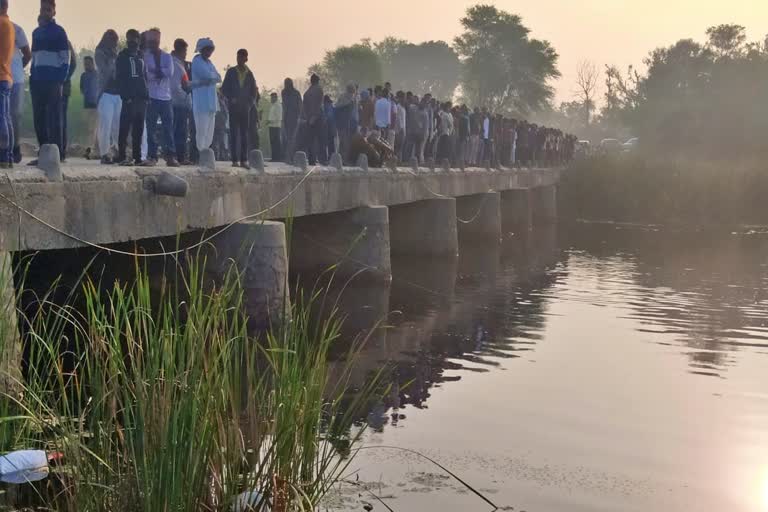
point(643, 189)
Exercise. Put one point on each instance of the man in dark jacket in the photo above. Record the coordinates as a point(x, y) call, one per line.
point(239, 88)
point(313, 116)
point(134, 94)
point(291, 114)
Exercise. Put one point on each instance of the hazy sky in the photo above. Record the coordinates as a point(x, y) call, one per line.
point(285, 36)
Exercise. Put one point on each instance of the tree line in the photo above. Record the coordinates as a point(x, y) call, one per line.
point(494, 63)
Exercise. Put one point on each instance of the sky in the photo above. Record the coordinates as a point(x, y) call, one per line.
point(284, 37)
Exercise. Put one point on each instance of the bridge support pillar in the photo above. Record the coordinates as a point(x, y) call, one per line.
point(425, 228)
point(516, 212)
point(355, 241)
point(258, 252)
point(479, 218)
point(544, 205)
point(10, 342)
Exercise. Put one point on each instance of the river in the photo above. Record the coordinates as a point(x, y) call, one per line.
point(590, 368)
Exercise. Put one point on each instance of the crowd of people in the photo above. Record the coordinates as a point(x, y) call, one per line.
point(168, 106)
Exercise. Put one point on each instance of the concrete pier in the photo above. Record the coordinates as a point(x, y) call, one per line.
point(479, 218)
point(10, 342)
point(544, 205)
point(425, 228)
point(516, 212)
point(355, 242)
point(258, 252)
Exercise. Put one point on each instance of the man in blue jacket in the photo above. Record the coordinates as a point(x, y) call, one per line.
point(50, 69)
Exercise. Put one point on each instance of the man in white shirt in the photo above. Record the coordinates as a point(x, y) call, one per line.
point(275, 123)
point(486, 149)
point(446, 130)
point(400, 127)
point(21, 59)
point(383, 113)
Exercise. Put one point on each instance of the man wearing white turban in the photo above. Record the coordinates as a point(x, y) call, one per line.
point(205, 103)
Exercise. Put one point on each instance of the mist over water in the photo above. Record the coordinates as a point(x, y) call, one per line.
point(600, 367)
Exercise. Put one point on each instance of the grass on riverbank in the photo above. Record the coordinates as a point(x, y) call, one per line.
point(162, 401)
point(665, 190)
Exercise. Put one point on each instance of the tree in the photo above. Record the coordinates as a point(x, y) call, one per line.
point(727, 41)
point(355, 64)
point(431, 67)
point(386, 49)
point(587, 77)
point(503, 68)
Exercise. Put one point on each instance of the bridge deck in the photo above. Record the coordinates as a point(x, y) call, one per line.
point(104, 205)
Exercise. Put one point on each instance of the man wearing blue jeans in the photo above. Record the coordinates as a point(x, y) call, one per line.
point(50, 69)
point(160, 69)
point(21, 58)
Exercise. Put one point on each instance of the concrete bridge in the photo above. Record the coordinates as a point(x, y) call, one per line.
point(353, 215)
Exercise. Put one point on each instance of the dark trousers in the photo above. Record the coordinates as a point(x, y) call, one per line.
point(132, 118)
point(315, 142)
point(160, 109)
point(239, 120)
point(47, 109)
point(443, 148)
point(276, 143)
point(181, 117)
point(64, 132)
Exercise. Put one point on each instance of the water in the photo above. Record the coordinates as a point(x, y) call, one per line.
point(598, 368)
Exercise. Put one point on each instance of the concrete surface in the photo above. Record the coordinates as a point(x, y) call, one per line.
point(107, 204)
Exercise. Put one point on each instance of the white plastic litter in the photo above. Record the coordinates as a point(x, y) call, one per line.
point(23, 466)
point(249, 501)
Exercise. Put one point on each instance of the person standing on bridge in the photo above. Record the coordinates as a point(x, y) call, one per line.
point(109, 105)
point(275, 123)
point(89, 88)
point(291, 115)
point(313, 118)
point(205, 102)
point(181, 100)
point(21, 59)
point(134, 96)
point(7, 49)
point(239, 89)
point(160, 69)
point(50, 69)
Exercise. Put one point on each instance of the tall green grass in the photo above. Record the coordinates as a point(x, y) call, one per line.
point(161, 400)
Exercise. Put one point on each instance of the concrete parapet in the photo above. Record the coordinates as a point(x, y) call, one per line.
point(516, 213)
point(300, 161)
point(207, 160)
point(49, 160)
point(362, 162)
point(256, 160)
point(10, 342)
point(258, 251)
point(479, 217)
point(425, 228)
point(353, 241)
point(167, 184)
point(336, 162)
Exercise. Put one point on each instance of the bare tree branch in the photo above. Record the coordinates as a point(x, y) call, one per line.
point(587, 79)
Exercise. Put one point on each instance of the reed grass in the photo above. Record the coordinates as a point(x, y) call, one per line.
point(160, 399)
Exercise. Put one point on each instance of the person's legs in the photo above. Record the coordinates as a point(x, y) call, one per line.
point(6, 125)
point(275, 143)
point(166, 117)
point(235, 121)
point(180, 128)
point(54, 110)
point(137, 127)
point(117, 107)
point(126, 118)
point(245, 136)
point(17, 109)
point(153, 114)
point(106, 112)
point(64, 134)
point(204, 124)
point(39, 113)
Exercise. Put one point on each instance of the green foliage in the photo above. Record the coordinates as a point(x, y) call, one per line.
point(431, 67)
point(355, 64)
point(159, 399)
point(503, 68)
point(699, 100)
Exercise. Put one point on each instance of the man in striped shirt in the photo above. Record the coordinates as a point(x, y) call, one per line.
point(50, 69)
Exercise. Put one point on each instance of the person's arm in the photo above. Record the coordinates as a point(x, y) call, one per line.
point(72, 61)
point(82, 84)
point(65, 54)
point(122, 75)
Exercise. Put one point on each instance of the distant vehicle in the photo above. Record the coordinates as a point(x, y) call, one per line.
point(611, 146)
point(630, 145)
